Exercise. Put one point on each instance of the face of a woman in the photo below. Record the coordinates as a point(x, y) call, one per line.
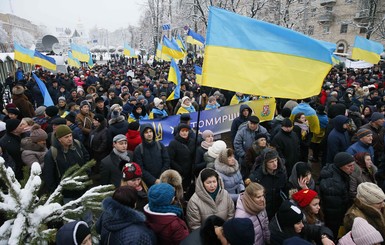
point(366, 111)
point(262, 142)
point(368, 161)
point(298, 227)
point(259, 198)
point(210, 184)
point(231, 160)
point(187, 102)
point(134, 182)
point(209, 138)
point(302, 119)
point(183, 133)
point(314, 206)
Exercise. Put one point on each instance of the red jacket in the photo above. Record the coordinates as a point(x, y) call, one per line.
point(168, 228)
point(133, 139)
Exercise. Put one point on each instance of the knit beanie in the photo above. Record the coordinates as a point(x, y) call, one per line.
point(18, 89)
point(134, 125)
point(61, 98)
point(157, 101)
point(51, 111)
point(13, 111)
point(206, 134)
point(71, 117)
point(269, 154)
point(62, 130)
point(286, 112)
point(376, 116)
point(59, 121)
point(183, 126)
point(304, 197)
point(370, 193)
point(302, 168)
point(160, 195)
point(288, 214)
point(40, 111)
point(216, 148)
point(343, 158)
point(260, 135)
point(286, 123)
point(83, 103)
point(82, 231)
point(78, 230)
point(132, 98)
point(130, 170)
point(99, 117)
point(184, 99)
point(365, 234)
point(140, 97)
point(239, 231)
point(115, 107)
point(363, 132)
point(11, 124)
point(37, 134)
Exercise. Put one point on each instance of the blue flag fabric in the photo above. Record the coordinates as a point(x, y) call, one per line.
point(44, 91)
point(166, 27)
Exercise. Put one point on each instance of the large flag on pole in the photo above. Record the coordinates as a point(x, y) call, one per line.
point(79, 52)
point(23, 54)
point(90, 61)
point(175, 77)
point(195, 38)
point(44, 61)
point(72, 61)
point(129, 51)
point(47, 97)
point(180, 43)
point(367, 50)
point(171, 49)
point(198, 74)
point(259, 58)
point(160, 56)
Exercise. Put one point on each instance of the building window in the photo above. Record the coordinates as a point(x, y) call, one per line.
point(310, 30)
point(344, 28)
point(362, 30)
point(341, 48)
point(326, 29)
point(329, 8)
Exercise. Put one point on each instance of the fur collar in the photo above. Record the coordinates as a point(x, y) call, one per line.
point(226, 169)
point(116, 120)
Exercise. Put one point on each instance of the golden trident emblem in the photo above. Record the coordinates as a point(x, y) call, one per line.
point(158, 131)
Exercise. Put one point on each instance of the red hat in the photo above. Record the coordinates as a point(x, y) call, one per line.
point(304, 197)
point(131, 170)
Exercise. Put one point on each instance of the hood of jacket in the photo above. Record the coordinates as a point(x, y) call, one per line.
point(116, 216)
point(339, 121)
point(145, 126)
point(241, 108)
point(27, 144)
point(203, 194)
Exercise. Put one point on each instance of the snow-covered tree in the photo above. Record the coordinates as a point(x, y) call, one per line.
point(28, 214)
point(22, 37)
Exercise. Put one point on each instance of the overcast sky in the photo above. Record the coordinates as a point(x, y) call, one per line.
point(110, 14)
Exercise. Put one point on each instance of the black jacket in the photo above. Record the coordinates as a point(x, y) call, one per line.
point(239, 120)
point(110, 171)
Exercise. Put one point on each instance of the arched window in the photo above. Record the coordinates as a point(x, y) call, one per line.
point(341, 48)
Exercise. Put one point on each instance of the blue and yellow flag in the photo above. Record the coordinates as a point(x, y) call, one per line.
point(180, 43)
point(195, 38)
point(44, 91)
point(367, 50)
point(175, 77)
point(198, 74)
point(72, 61)
point(259, 58)
point(79, 52)
point(171, 49)
point(45, 61)
point(160, 56)
point(23, 54)
point(129, 51)
point(90, 61)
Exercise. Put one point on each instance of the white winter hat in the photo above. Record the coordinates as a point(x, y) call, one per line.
point(157, 101)
point(364, 233)
point(184, 99)
point(216, 148)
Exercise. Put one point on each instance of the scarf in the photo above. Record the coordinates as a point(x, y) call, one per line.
point(122, 155)
point(304, 129)
point(159, 112)
point(214, 194)
point(188, 108)
point(166, 209)
point(205, 145)
point(250, 205)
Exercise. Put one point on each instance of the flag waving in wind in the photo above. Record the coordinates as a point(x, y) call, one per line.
point(259, 58)
point(23, 54)
point(367, 50)
point(195, 38)
point(174, 76)
point(44, 61)
point(47, 98)
point(172, 49)
point(198, 74)
point(73, 61)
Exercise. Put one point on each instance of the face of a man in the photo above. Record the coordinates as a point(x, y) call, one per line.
point(348, 168)
point(121, 146)
point(368, 139)
point(85, 109)
point(66, 140)
point(253, 126)
point(148, 135)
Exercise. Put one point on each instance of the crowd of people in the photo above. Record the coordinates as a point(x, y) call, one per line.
point(261, 186)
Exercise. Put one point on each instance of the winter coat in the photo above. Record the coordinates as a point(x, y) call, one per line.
point(359, 146)
point(99, 142)
point(116, 126)
point(209, 160)
point(334, 193)
point(152, 157)
point(55, 167)
point(109, 170)
point(245, 138)
point(288, 147)
point(274, 185)
point(232, 178)
point(133, 139)
point(260, 222)
point(378, 141)
point(338, 139)
point(249, 162)
point(10, 145)
point(181, 152)
point(310, 114)
point(367, 212)
point(292, 182)
point(194, 238)
point(85, 122)
point(199, 160)
point(32, 152)
point(168, 227)
point(239, 120)
point(202, 205)
point(119, 224)
point(66, 235)
point(26, 108)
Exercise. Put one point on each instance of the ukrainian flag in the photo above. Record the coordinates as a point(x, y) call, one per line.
point(255, 57)
point(23, 54)
point(174, 76)
point(367, 50)
point(90, 61)
point(180, 43)
point(73, 61)
point(332, 48)
point(79, 52)
point(129, 51)
point(195, 38)
point(175, 42)
point(198, 74)
point(44, 91)
point(171, 49)
point(45, 61)
point(160, 56)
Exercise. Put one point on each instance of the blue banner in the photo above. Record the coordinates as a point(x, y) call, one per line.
point(217, 120)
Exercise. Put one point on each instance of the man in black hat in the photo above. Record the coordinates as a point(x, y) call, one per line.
point(100, 107)
point(10, 147)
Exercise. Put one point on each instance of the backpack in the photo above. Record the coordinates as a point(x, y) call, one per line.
point(54, 153)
